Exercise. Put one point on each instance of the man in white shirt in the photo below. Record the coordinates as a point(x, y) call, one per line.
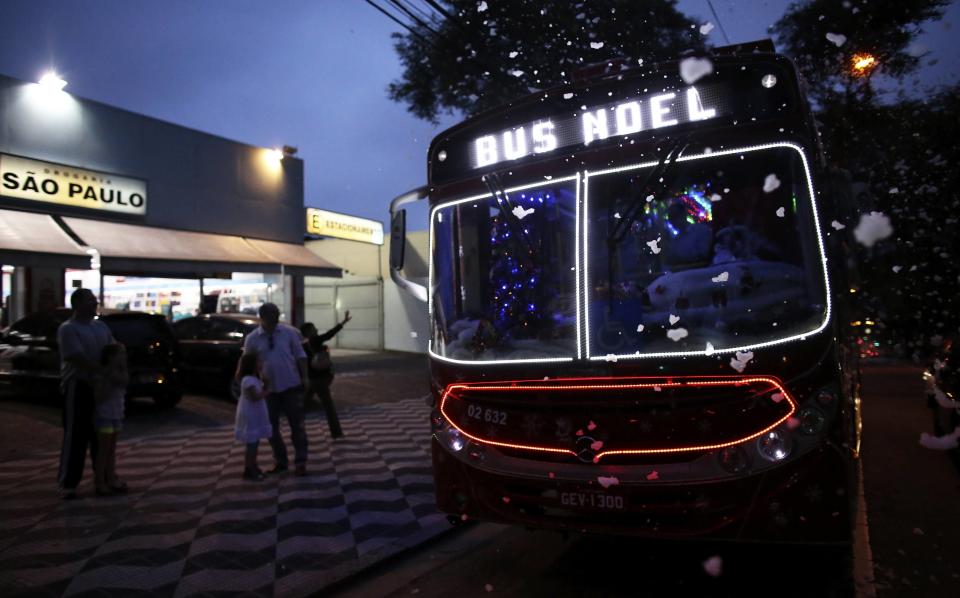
point(81, 340)
point(279, 351)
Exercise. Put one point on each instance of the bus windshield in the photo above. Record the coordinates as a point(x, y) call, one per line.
point(713, 252)
point(504, 275)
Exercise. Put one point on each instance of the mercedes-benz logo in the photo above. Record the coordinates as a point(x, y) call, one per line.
point(584, 449)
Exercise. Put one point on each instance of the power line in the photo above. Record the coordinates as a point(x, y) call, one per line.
point(399, 22)
point(436, 6)
point(716, 17)
point(426, 15)
point(410, 14)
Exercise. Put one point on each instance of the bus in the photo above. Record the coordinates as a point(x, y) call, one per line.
point(637, 295)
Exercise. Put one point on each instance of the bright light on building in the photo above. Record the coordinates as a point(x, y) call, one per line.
point(275, 155)
point(52, 80)
point(863, 64)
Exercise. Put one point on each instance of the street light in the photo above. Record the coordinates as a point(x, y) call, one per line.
point(863, 64)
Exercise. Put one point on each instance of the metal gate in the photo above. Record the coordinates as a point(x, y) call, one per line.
point(327, 299)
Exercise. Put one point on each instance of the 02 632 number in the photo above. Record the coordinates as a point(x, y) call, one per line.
point(493, 416)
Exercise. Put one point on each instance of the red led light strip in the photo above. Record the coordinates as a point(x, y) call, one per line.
point(577, 384)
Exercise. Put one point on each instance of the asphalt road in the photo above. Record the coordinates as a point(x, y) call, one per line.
point(910, 494)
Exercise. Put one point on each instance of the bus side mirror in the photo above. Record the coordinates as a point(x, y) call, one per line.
point(398, 242)
point(398, 239)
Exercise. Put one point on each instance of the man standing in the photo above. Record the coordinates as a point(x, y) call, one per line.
point(284, 370)
point(81, 340)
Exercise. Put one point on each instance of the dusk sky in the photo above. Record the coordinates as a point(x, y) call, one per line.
point(307, 74)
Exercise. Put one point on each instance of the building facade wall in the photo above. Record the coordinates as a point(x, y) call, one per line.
point(195, 181)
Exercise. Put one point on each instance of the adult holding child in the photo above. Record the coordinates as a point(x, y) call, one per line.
point(82, 340)
point(283, 365)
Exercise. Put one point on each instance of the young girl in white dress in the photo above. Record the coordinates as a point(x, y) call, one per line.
point(253, 421)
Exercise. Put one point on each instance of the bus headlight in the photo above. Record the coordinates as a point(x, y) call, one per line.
point(774, 446)
point(812, 421)
point(454, 439)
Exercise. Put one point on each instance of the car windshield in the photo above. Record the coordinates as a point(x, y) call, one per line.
point(723, 254)
point(504, 277)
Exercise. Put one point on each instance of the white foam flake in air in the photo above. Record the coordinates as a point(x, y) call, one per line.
point(607, 481)
point(722, 277)
point(654, 245)
point(706, 28)
point(674, 319)
point(675, 334)
point(837, 226)
point(740, 360)
point(771, 183)
point(639, 327)
point(713, 566)
point(872, 227)
point(715, 197)
point(693, 68)
point(596, 45)
point(516, 73)
point(568, 95)
point(520, 213)
point(781, 212)
point(837, 39)
point(481, 7)
point(709, 350)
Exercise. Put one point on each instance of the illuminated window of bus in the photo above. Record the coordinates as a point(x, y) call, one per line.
point(721, 250)
point(504, 276)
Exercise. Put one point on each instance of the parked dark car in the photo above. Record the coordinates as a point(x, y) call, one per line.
point(211, 345)
point(30, 357)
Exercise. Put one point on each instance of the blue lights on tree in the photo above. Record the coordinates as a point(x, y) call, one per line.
point(515, 272)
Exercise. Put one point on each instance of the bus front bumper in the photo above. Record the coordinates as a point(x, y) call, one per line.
point(806, 500)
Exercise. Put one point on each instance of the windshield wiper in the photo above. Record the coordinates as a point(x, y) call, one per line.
point(666, 162)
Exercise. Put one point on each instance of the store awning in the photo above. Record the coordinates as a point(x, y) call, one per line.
point(133, 250)
point(28, 239)
point(296, 259)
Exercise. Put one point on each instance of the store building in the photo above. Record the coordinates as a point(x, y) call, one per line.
point(152, 216)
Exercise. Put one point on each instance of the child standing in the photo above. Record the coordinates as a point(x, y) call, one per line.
point(110, 394)
point(253, 421)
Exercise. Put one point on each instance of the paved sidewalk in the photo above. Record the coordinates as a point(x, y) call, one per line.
point(191, 525)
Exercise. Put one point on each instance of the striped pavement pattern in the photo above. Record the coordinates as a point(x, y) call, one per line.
point(191, 526)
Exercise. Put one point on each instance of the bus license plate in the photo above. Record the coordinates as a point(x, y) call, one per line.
point(592, 500)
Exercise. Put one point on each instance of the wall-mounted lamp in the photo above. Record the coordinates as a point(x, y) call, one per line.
point(51, 80)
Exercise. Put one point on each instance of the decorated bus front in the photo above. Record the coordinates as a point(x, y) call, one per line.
point(632, 323)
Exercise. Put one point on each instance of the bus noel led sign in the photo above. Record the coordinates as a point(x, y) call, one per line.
point(542, 136)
